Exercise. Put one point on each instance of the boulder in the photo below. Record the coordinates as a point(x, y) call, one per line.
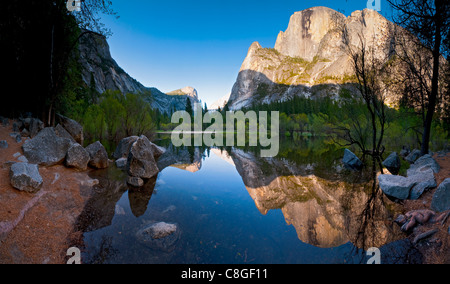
point(392, 163)
point(159, 236)
point(98, 156)
point(157, 151)
point(413, 156)
point(405, 152)
point(35, 127)
point(424, 180)
point(396, 186)
point(62, 132)
point(3, 144)
point(25, 133)
point(423, 164)
point(135, 181)
point(422, 172)
point(141, 162)
point(351, 161)
point(47, 148)
point(441, 198)
point(26, 177)
point(123, 149)
point(121, 163)
point(77, 157)
point(74, 128)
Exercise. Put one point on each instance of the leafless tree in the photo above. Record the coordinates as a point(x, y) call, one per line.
point(429, 22)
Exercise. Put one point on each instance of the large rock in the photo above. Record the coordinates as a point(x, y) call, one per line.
point(62, 132)
point(77, 157)
point(98, 156)
point(351, 161)
point(420, 178)
point(413, 156)
point(422, 172)
point(392, 163)
point(74, 128)
point(47, 148)
point(36, 125)
point(159, 236)
point(123, 149)
point(141, 162)
point(26, 177)
point(423, 164)
point(425, 180)
point(441, 198)
point(135, 181)
point(396, 186)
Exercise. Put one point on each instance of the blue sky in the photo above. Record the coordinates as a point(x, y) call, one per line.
point(173, 44)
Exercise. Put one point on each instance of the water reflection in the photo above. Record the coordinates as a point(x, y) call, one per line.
point(328, 206)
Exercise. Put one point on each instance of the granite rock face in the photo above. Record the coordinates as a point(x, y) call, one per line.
point(310, 58)
point(100, 70)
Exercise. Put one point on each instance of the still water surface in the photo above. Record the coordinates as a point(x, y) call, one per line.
point(232, 207)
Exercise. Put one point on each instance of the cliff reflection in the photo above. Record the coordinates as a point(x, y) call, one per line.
point(326, 211)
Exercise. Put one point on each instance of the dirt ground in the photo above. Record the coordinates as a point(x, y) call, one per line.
point(38, 228)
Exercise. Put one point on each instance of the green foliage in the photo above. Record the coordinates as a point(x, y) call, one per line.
point(115, 117)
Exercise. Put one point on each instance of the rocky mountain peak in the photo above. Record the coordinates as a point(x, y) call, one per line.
point(306, 30)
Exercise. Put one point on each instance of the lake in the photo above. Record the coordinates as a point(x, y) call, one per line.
point(232, 207)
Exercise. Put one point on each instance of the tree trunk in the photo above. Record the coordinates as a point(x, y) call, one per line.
point(432, 100)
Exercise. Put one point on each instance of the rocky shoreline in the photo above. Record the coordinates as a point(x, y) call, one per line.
point(45, 185)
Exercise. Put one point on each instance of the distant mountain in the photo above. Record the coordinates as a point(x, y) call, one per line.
point(175, 100)
point(220, 103)
point(309, 58)
point(98, 64)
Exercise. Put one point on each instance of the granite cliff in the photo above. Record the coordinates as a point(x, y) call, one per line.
point(310, 58)
point(97, 64)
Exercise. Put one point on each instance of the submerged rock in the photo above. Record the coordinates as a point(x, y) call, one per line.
point(26, 177)
point(351, 161)
point(441, 198)
point(159, 236)
point(98, 156)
